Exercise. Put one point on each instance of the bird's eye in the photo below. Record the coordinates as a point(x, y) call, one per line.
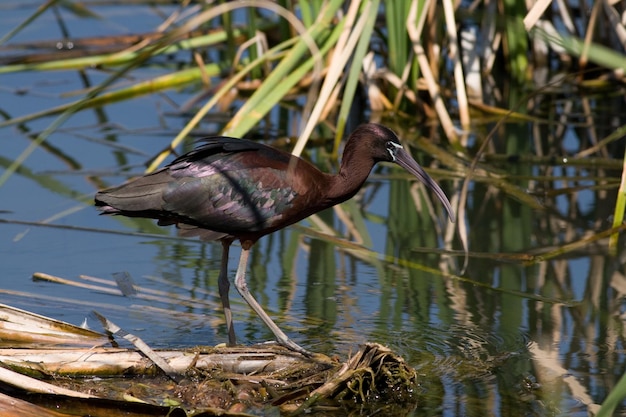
point(392, 147)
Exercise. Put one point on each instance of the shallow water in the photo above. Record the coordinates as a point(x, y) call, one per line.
point(545, 339)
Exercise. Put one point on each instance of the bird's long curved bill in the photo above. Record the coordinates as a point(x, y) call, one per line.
point(407, 162)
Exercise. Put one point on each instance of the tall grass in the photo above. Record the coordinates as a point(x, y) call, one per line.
point(314, 46)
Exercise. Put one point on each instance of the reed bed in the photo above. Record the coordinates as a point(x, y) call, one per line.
point(490, 84)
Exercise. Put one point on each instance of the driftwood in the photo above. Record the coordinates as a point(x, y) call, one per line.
point(110, 381)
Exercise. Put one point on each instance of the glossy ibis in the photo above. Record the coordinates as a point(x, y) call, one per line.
point(228, 189)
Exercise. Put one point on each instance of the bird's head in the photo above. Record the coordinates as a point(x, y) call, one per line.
point(384, 146)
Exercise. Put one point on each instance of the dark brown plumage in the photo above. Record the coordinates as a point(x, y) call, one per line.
point(233, 189)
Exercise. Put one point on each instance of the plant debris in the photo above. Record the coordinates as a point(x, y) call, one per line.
point(227, 381)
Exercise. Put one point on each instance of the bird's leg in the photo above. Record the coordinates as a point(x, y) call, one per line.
point(224, 285)
point(242, 287)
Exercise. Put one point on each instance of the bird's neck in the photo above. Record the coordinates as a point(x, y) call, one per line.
point(350, 178)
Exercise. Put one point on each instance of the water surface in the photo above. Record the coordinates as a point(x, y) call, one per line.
point(507, 340)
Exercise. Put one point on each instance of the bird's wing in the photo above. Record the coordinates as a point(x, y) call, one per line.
point(230, 196)
point(226, 185)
